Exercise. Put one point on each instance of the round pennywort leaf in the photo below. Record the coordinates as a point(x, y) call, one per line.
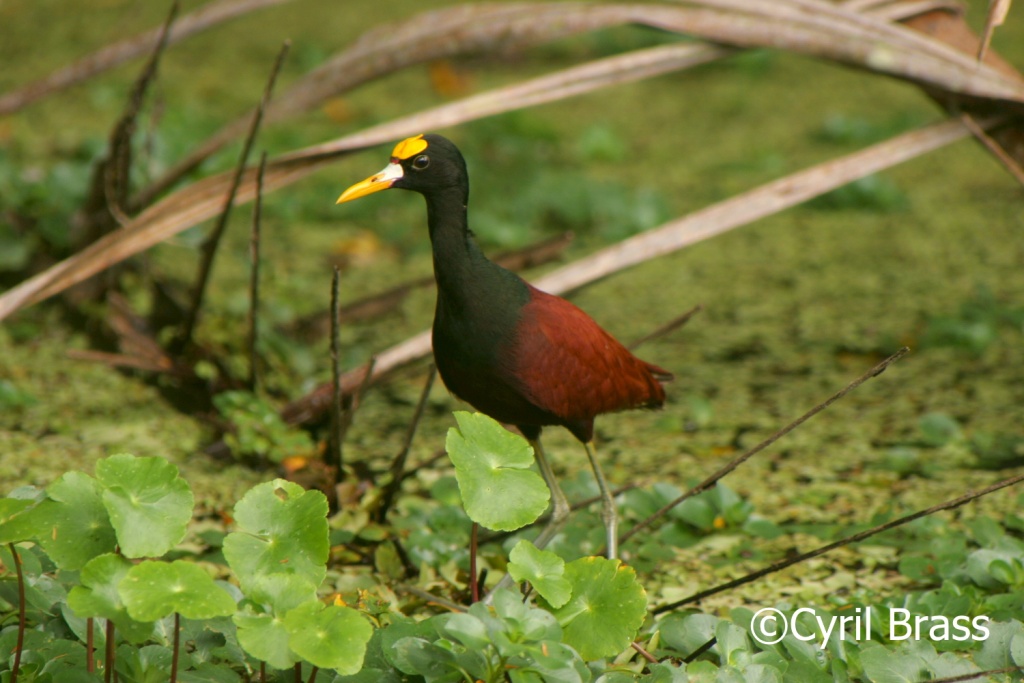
point(606, 609)
point(148, 503)
point(543, 569)
point(499, 491)
point(152, 590)
point(331, 637)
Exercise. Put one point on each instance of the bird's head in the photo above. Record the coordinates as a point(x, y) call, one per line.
point(425, 163)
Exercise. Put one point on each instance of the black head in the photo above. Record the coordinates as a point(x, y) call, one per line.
point(425, 163)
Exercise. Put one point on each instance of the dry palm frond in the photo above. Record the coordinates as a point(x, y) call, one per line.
point(997, 11)
point(807, 26)
point(85, 68)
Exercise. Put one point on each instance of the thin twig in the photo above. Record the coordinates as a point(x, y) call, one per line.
point(437, 456)
point(397, 469)
point(357, 398)
point(668, 327)
point(1008, 162)
point(643, 653)
point(209, 248)
point(736, 462)
point(855, 538)
point(701, 650)
point(109, 653)
point(333, 456)
point(976, 674)
point(175, 649)
point(430, 597)
point(254, 276)
point(117, 167)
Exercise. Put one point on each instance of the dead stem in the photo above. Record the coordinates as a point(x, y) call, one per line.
point(855, 538)
point(209, 248)
point(397, 469)
point(333, 456)
point(736, 462)
point(670, 326)
point(254, 277)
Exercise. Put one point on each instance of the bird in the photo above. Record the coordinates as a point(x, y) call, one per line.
point(515, 353)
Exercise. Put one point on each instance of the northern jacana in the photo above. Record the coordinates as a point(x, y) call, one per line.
point(513, 352)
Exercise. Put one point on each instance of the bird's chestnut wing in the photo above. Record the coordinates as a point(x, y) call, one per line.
point(572, 368)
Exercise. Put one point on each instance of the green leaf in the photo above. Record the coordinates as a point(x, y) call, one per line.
point(882, 665)
point(499, 491)
point(665, 673)
point(331, 637)
point(996, 651)
point(543, 569)
point(73, 525)
point(1017, 649)
point(732, 644)
point(468, 630)
point(280, 592)
point(148, 503)
point(15, 524)
point(419, 656)
point(97, 596)
point(607, 607)
point(265, 637)
point(282, 529)
point(685, 634)
point(153, 590)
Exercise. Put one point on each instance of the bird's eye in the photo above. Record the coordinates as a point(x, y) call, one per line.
point(421, 162)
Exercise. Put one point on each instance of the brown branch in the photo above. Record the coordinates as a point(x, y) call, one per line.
point(209, 248)
point(125, 50)
point(643, 653)
point(739, 460)
point(855, 538)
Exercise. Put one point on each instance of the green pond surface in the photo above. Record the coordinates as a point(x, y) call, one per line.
point(928, 254)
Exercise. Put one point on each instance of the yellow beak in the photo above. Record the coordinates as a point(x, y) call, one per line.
point(375, 183)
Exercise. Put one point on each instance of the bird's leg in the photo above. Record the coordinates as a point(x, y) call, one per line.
point(608, 515)
point(559, 512)
point(560, 505)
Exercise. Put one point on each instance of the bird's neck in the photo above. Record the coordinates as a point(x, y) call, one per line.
point(466, 279)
